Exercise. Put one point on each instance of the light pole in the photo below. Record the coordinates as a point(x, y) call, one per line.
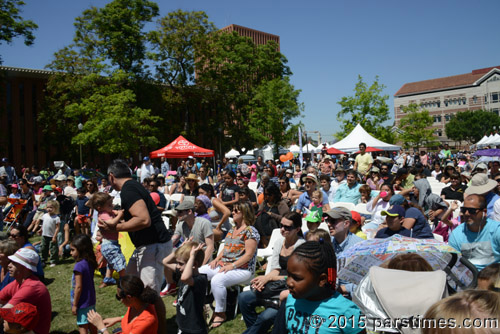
point(80, 128)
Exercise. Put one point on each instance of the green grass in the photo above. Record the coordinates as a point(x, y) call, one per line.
point(63, 321)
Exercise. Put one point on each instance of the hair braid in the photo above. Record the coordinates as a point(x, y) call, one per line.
point(320, 258)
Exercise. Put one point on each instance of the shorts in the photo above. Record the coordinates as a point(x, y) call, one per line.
point(113, 254)
point(81, 315)
point(82, 219)
point(38, 215)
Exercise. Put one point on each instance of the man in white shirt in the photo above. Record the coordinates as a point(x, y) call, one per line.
point(147, 170)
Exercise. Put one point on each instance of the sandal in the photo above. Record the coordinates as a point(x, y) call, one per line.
point(217, 323)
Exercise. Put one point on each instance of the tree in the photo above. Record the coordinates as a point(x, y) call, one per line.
point(471, 125)
point(174, 45)
point(231, 69)
point(116, 33)
point(367, 107)
point(274, 106)
point(99, 77)
point(415, 126)
point(114, 124)
point(12, 24)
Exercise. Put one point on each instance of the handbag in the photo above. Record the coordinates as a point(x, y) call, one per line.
point(271, 289)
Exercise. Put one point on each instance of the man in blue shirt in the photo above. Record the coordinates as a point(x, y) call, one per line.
point(311, 184)
point(478, 237)
point(339, 221)
point(348, 192)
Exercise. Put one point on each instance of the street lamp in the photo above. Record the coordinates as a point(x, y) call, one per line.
point(80, 128)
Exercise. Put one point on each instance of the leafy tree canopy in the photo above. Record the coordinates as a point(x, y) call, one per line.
point(471, 125)
point(367, 107)
point(415, 126)
point(12, 24)
point(274, 106)
point(231, 69)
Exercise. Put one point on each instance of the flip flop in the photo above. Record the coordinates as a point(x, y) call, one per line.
point(218, 323)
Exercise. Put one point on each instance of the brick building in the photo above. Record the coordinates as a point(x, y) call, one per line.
point(443, 97)
point(21, 96)
point(258, 37)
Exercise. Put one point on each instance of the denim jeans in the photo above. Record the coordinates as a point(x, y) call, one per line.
point(256, 323)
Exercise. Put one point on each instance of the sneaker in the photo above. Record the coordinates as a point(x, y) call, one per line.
point(52, 265)
point(175, 303)
point(172, 290)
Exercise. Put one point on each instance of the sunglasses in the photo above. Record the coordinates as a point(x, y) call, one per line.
point(10, 235)
point(287, 228)
point(310, 182)
point(472, 211)
point(236, 210)
point(498, 180)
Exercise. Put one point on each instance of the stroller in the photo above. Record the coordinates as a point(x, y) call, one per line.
point(14, 211)
point(394, 301)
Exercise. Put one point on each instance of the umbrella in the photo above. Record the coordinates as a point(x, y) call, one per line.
point(492, 152)
point(232, 154)
point(371, 149)
point(333, 150)
point(355, 262)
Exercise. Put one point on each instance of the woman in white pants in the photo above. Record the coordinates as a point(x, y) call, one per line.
point(236, 263)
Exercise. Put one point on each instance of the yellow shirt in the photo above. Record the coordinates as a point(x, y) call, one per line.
point(364, 161)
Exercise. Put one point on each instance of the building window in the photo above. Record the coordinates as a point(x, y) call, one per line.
point(474, 99)
point(446, 118)
point(464, 100)
point(494, 97)
point(486, 99)
point(445, 103)
point(495, 110)
point(439, 104)
point(440, 133)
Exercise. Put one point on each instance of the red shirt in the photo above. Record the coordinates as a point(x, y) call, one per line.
point(34, 292)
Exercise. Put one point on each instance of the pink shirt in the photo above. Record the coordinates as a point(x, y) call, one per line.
point(110, 235)
point(34, 292)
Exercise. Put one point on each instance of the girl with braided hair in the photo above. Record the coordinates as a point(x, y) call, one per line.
point(314, 306)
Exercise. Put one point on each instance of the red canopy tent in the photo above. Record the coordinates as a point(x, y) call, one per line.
point(372, 149)
point(181, 148)
point(333, 150)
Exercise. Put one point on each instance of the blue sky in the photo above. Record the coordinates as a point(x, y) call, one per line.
point(327, 43)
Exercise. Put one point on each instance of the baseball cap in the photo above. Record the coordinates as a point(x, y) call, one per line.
point(24, 314)
point(397, 200)
point(314, 216)
point(146, 159)
point(395, 210)
point(356, 216)
point(26, 257)
point(338, 213)
point(47, 188)
point(185, 205)
point(5, 160)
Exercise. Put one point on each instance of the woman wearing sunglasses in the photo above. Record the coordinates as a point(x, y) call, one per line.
point(236, 263)
point(290, 228)
point(141, 316)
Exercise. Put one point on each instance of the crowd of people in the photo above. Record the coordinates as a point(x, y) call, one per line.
point(218, 220)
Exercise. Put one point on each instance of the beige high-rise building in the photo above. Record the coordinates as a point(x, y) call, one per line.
point(443, 97)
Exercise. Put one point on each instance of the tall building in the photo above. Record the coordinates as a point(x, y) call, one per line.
point(258, 37)
point(444, 97)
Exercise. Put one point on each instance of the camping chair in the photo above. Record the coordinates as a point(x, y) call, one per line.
point(14, 212)
point(398, 294)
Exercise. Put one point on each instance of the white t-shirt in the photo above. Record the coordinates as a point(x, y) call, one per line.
point(49, 224)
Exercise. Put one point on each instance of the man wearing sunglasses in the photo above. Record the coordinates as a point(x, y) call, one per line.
point(478, 237)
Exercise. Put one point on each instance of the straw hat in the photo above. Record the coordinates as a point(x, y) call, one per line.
point(192, 176)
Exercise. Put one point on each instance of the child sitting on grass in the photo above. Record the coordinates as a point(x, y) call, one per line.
point(192, 286)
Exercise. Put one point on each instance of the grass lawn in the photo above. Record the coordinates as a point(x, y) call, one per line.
point(63, 321)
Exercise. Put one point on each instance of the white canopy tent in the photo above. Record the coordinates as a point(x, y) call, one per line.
point(294, 148)
point(310, 148)
point(493, 140)
point(481, 142)
point(359, 135)
point(232, 154)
